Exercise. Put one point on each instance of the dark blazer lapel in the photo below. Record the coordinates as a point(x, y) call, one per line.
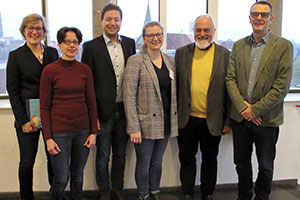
point(189, 62)
point(31, 56)
point(216, 60)
point(265, 57)
point(125, 49)
point(152, 73)
point(45, 55)
point(104, 50)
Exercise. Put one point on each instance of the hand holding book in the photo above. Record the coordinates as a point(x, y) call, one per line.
point(33, 112)
point(29, 127)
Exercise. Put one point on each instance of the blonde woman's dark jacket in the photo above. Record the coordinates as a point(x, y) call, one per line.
point(23, 74)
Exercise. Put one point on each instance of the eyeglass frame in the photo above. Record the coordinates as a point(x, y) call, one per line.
point(68, 42)
point(38, 29)
point(263, 15)
point(152, 36)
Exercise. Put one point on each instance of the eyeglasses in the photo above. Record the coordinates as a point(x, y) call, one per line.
point(38, 29)
point(68, 42)
point(264, 15)
point(157, 35)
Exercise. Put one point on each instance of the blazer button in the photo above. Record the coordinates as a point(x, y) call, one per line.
point(154, 115)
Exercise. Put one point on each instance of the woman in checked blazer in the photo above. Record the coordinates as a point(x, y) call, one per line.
point(150, 108)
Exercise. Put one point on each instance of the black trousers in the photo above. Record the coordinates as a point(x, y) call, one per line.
point(28, 146)
point(195, 132)
point(245, 134)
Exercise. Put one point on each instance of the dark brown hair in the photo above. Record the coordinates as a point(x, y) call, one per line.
point(61, 34)
point(263, 3)
point(109, 7)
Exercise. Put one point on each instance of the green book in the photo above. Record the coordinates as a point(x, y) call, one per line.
point(33, 111)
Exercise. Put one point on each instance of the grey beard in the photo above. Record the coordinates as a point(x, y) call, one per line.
point(203, 45)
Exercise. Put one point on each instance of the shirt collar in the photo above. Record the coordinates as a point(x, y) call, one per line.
point(263, 40)
point(108, 41)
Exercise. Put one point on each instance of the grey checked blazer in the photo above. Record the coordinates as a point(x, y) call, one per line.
point(142, 97)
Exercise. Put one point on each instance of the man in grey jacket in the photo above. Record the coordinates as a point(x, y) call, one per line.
point(202, 106)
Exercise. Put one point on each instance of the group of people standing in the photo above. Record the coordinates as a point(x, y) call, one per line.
point(114, 95)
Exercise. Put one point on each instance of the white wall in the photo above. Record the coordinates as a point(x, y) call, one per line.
point(287, 162)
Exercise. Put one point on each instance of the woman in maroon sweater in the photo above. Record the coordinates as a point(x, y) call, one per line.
point(68, 114)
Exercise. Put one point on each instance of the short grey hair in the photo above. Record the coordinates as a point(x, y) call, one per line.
point(262, 3)
point(207, 16)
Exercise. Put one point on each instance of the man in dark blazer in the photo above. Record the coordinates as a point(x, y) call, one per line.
point(107, 56)
point(258, 79)
point(203, 106)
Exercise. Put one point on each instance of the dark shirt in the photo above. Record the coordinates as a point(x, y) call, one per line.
point(67, 98)
point(164, 85)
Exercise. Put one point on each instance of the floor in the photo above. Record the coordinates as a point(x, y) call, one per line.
point(279, 192)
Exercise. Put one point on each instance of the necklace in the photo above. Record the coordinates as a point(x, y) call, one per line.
point(39, 54)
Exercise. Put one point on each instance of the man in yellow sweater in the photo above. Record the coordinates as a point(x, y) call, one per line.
point(203, 106)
